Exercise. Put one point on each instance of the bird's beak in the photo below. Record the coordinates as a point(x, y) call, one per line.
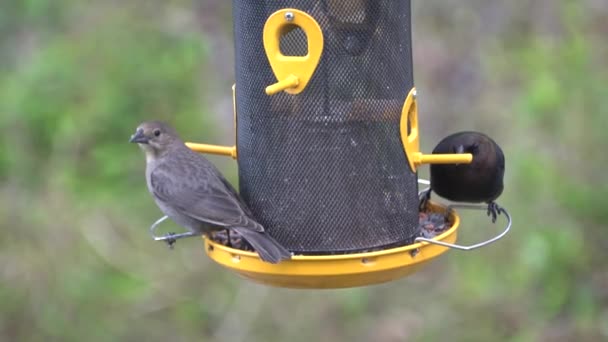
point(139, 137)
point(460, 149)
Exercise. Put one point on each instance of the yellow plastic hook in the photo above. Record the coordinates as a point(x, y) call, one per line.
point(292, 72)
point(410, 138)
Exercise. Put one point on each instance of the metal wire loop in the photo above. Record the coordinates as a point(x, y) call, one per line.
point(424, 182)
point(478, 245)
point(171, 237)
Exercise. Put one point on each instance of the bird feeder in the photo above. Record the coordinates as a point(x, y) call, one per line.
point(327, 142)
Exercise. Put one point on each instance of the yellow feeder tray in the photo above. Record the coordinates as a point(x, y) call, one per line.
point(335, 271)
point(344, 270)
point(348, 270)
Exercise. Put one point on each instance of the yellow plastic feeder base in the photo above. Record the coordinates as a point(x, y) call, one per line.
point(334, 271)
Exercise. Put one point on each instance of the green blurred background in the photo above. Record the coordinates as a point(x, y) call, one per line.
point(76, 260)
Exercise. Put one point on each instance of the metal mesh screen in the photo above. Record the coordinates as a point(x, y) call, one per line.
point(324, 171)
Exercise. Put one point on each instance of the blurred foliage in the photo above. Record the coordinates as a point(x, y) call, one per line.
point(77, 262)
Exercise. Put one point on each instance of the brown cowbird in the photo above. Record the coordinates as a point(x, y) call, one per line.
point(479, 181)
point(194, 194)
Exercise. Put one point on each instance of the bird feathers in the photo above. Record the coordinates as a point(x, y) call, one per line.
point(194, 194)
point(479, 181)
point(204, 196)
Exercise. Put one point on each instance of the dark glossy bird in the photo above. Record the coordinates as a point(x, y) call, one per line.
point(194, 194)
point(479, 181)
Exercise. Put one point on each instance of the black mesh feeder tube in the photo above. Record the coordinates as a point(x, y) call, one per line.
point(324, 169)
point(327, 142)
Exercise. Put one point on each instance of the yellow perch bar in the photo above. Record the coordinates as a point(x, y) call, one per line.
point(456, 158)
point(229, 151)
point(290, 82)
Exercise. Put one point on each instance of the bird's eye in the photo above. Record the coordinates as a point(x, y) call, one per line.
point(156, 132)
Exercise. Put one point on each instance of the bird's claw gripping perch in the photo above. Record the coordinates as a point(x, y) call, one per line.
point(171, 238)
point(494, 210)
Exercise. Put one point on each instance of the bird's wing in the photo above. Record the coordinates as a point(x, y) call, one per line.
point(207, 198)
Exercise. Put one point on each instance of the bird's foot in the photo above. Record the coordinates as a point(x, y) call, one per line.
point(425, 197)
point(494, 210)
point(228, 242)
point(170, 240)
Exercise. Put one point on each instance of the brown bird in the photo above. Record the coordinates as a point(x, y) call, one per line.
point(194, 194)
point(479, 181)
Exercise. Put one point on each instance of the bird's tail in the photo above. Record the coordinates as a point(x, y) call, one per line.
point(268, 248)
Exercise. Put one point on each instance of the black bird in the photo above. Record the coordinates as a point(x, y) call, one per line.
point(194, 194)
point(479, 181)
